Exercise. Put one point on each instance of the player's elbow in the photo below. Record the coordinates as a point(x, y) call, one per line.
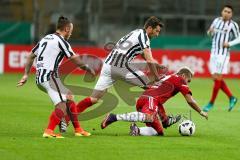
point(191, 102)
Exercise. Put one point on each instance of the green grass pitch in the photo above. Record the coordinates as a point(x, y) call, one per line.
point(24, 114)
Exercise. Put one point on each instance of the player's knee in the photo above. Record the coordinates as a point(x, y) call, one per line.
point(149, 117)
point(94, 100)
point(62, 106)
point(160, 133)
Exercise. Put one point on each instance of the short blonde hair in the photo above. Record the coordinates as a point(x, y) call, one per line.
point(186, 71)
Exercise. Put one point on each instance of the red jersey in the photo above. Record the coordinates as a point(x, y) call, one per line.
point(167, 87)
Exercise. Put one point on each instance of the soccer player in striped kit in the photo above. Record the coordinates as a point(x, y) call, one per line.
point(118, 63)
point(222, 29)
point(49, 53)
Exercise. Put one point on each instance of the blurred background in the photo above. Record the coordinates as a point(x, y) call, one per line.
point(97, 22)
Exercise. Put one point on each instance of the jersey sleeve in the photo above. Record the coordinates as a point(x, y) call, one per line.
point(66, 48)
point(143, 40)
point(183, 88)
point(235, 30)
point(214, 23)
point(35, 49)
point(234, 42)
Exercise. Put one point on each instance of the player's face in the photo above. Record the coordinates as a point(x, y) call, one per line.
point(155, 32)
point(68, 30)
point(187, 79)
point(227, 13)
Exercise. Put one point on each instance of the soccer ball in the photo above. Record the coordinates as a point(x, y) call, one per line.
point(186, 128)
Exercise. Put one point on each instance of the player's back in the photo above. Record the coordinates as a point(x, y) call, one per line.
point(48, 52)
point(128, 47)
point(167, 87)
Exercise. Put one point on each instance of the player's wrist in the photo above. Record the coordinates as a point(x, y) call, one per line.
point(201, 112)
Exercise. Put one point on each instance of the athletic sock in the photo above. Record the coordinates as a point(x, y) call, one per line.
point(216, 87)
point(55, 118)
point(225, 89)
point(84, 104)
point(73, 109)
point(147, 131)
point(131, 117)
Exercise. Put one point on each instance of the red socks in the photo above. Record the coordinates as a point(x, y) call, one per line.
point(55, 118)
point(219, 84)
point(225, 89)
point(216, 87)
point(73, 109)
point(84, 104)
point(58, 114)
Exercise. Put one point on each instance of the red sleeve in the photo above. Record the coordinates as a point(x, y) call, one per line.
point(183, 88)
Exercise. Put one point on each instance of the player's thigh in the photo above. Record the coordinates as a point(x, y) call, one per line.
point(105, 79)
point(150, 106)
point(219, 64)
point(55, 95)
point(135, 76)
point(140, 103)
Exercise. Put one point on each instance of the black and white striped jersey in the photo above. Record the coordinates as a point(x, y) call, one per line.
point(128, 47)
point(50, 52)
point(224, 31)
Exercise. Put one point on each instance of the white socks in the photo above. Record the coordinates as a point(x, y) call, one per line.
point(147, 131)
point(132, 117)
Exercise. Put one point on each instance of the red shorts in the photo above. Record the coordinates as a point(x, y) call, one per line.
point(147, 105)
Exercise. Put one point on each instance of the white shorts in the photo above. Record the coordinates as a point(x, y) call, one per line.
point(109, 74)
point(55, 89)
point(219, 64)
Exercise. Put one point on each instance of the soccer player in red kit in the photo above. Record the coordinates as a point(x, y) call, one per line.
point(150, 105)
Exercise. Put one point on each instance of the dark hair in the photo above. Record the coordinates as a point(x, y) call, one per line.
point(62, 22)
point(228, 6)
point(153, 22)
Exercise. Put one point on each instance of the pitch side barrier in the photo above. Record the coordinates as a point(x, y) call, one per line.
point(13, 59)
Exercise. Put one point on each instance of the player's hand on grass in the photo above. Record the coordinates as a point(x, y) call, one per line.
point(22, 81)
point(204, 114)
point(226, 45)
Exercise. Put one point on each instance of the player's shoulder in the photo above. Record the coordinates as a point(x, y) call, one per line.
point(217, 19)
point(234, 22)
point(178, 79)
point(49, 37)
point(139, 31)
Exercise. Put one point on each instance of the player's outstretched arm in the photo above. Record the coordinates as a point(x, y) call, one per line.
point(28, 66)
point(147, 54)
point(77, 60)
point(232, 43)
point(210, 31)
point(194, 105)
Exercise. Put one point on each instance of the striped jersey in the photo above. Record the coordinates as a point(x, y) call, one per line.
point(50, 52)
point(224, 31)
point(128, 47)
